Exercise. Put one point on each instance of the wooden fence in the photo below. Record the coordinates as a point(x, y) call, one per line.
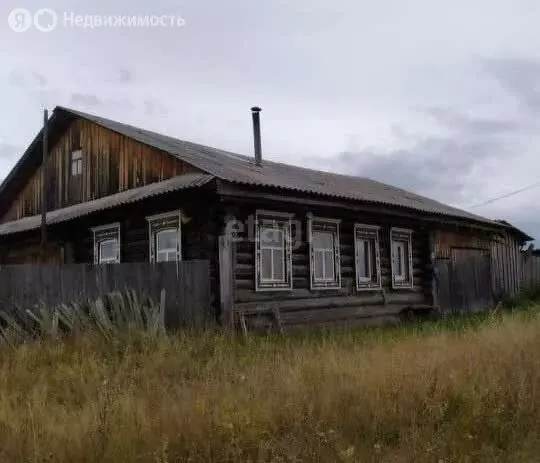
point(186, 284)
point(506, 265)
point(475, 278)
point(530, 279)
point(464, 281)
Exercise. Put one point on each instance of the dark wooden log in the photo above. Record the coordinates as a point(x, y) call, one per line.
point(226, 280)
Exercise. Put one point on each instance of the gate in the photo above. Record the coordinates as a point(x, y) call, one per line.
point(465, 282)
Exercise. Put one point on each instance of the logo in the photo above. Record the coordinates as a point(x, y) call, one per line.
point(45, 20)
point(22, 20)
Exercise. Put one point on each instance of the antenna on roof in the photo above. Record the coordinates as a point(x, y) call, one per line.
point(255, 112)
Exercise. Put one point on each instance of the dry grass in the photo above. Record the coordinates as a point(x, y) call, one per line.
point(433, 395)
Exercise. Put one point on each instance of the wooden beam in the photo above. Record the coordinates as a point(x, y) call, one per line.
point(294, 303)
point(434, 270)
point(226, 277)
point(44, 184)
point(263, 195)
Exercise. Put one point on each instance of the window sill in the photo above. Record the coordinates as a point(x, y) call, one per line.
point(264, 288)
point(368, 288)
point(406, 285)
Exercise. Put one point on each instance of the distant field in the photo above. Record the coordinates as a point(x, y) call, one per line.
point(465, 390)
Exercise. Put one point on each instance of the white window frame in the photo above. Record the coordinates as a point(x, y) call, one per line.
point(326, 225)
point(160, 222)
point(103, 234)
point(167, 251)
point(401, 235)
point(280, 221)
point(76, 159)
point(369, 233)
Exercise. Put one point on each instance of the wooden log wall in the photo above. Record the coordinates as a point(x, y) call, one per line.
point(111, 163)
point(303, 305)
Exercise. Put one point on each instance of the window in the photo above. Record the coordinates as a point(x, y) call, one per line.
point(107, 244)
point(108, 252)
point(76, 162)
point(167, 245)
point(368, 267)
point(165, 237)
point(402, 270)
point(324, 251)
point(273, 253)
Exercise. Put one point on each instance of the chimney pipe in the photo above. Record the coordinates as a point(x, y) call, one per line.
point(257, 134)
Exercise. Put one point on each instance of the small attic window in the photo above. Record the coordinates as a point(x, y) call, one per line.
point(76, 162)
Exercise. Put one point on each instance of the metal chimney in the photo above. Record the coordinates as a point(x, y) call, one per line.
point(257, 134)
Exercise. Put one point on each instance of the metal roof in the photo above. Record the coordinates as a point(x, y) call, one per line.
point(125, 197)
point(226, 166)
point(241, 169)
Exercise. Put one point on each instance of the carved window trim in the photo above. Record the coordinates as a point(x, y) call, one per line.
point(327, 226)
point(106, 234)
point(277, 221)
point(367, 234)
point(401, 249)
point(159, 223)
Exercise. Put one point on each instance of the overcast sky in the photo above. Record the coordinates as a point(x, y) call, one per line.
point(439, 97)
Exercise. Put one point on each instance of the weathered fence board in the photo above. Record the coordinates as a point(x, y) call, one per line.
point(506, 262)
point(226, 279)
point(465, 282)
point(186, 285)
point(530, 279)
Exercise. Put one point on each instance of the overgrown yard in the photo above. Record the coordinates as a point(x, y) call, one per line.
point(459, 391)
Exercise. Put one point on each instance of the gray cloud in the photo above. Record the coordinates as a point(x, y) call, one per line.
point(439, 165)
point(528, 225)
point(125, 76)
point(27, 79)
point(118, 104)
point(152, 108)
point(8, 151)
point(39, 79)
point(473, 126)
point(85, 100)
point(445, 163)
point(520, 77)
point(92, 103)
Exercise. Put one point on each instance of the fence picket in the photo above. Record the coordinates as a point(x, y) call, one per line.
point(530, 278)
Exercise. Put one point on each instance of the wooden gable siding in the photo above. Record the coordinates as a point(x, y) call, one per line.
point(446, 240)
point(111, 163)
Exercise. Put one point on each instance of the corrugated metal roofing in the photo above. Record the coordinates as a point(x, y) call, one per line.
point(236, 168)
point(125, 197)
